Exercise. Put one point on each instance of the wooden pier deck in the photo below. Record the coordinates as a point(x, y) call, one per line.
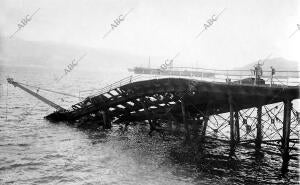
point(130, 102)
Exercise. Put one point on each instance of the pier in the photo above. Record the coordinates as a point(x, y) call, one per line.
point(238, 111)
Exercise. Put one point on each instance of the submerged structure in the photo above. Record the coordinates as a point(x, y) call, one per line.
point(251, 109)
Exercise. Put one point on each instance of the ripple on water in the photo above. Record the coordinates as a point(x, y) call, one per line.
point(20, 165)
point(51, 154)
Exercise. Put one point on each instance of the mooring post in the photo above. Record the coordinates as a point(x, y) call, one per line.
point(286, 135)
point(107, 124)
point(187, 129)
point(237, 126)
point(232, 127)
point(258, 140)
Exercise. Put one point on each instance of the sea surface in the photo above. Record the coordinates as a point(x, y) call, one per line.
point(36, 151)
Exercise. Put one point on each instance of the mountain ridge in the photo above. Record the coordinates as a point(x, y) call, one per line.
point(19, 52)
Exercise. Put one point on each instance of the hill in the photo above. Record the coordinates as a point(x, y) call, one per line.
point(16, 52)
point(280, 64)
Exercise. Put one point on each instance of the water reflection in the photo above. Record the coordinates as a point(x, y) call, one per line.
point(212, 161)
point(196, 162)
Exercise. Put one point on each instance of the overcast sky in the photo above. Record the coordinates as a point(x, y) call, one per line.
point(247, 30)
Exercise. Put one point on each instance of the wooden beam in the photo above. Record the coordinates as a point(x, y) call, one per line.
point(16, 84)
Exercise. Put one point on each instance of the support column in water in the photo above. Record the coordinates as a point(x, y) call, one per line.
point(205, 122)
point(237, 126)
point(187, 129)
point(258, 139)
point(107, 124)
point(232, 126)
point(286, 135)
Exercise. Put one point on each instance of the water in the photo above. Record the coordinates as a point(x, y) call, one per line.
point(35, 151)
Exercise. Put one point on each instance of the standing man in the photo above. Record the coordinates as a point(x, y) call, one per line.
point(272, 74)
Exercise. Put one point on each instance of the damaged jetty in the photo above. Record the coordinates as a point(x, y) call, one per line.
point(193, 103)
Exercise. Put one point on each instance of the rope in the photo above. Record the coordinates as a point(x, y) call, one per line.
point(38, 88)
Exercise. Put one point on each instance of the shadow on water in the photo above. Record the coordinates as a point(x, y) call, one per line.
point(207, 162)
point(212, 161)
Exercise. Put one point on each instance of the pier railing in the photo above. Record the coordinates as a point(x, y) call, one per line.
point(291, 78)
point(283, 78)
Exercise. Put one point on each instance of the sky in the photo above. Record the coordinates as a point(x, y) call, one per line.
point(246, 31)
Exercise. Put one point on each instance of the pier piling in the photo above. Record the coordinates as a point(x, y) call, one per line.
point(106, 123)
point(258, 140)
point(205, 122)
point(286, 135)
point(187, 129)
point(237, 126)
point(232, 126)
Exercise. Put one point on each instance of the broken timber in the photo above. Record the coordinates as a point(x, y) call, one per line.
point(124, 103)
